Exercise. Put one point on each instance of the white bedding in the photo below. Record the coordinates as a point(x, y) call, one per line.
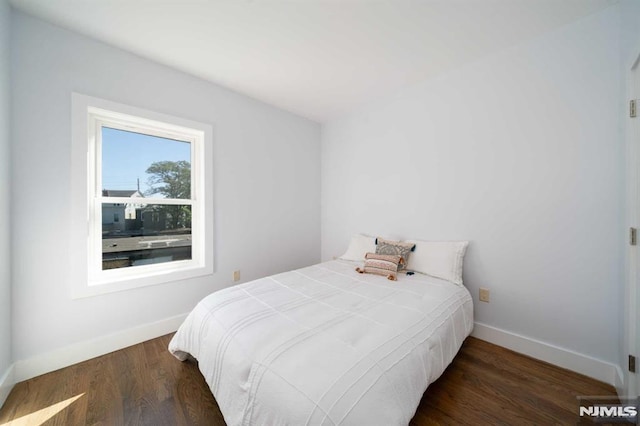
point(325, 345)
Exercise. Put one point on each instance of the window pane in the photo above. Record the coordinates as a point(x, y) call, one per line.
point(135, 164)
point(148, 234)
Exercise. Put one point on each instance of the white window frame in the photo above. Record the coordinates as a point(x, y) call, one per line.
point(89, 115)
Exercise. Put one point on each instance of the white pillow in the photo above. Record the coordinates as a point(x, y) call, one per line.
point(359, 246)
point(440, 259)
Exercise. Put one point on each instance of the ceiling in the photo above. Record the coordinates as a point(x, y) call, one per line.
point(316, 58)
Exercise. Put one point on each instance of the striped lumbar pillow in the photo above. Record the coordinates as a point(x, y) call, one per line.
point(382, 264)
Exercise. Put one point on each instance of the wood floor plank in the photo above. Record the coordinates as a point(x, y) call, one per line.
point(145, 385)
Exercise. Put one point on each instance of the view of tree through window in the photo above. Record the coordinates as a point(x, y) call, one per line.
point(139, 171)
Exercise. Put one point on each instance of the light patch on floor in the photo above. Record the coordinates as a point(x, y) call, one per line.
point(39, 417)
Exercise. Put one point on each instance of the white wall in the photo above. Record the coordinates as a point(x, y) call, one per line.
point(266, 172)
point(5, 193)
point(630, 30)
point(630, 44)
point(520, 153)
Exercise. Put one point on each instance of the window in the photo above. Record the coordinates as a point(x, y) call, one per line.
point(148, 187)
point(146, 176)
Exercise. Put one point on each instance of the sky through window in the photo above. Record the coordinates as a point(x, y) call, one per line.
point(127, 155)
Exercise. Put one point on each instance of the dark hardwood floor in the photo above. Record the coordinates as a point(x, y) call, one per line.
point(145, 385)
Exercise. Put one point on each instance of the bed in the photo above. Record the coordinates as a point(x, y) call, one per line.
point(324, 345)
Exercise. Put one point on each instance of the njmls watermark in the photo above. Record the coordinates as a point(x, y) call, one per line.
point(608, 410)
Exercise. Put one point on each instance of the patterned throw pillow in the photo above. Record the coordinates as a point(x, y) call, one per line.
point(395, 248)
point(381, 264)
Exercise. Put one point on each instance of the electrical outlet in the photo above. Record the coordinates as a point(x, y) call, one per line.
point(484, 294)
point(236, 275)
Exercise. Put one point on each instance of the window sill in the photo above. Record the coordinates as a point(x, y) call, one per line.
point(131, 281)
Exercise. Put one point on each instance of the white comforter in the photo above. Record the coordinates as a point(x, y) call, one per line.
point(325, 345)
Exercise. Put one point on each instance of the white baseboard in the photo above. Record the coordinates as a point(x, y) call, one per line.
point(7, 380)
point(82, 351)
point(565, 358)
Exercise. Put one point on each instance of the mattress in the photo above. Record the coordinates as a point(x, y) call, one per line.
point(324, 345)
